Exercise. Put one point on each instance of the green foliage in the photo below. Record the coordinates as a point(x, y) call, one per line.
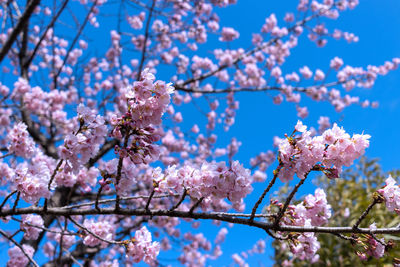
point(354, 191)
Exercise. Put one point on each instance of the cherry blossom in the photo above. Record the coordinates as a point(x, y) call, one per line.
point(17, 257)
point(141, 248)
point(30, 224)
point(391, 194)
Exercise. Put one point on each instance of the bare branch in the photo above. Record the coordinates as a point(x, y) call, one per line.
point(260, 199)
point(51, 25)
point(146, 36)
point(18, 28)
point(225, 217)
point(376, 200)
point(184, 194)
point(75, 39)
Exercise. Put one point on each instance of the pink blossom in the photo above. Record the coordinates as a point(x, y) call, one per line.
point(270, 23)
point(17, 257)
point(228, 34)
point(239, 260)
point(306, 72)
point(20, 142)
point(142, 248)
point(259, 176)
point(32, 181)
point(68, 240)
point(306, 247)
point(319, 75)
point(318, 209)
point(300, 127)
point(375, 248)
point(278, 99)
point(80, 146)
point(334, 148)
point(136, 22)
point(336, 63)
point(391, 193)
point(104, 229)
point(324, 124)
point(20, 88)
point(302, 112)
point(29, 221)
point(212, 180)
point(221, 236)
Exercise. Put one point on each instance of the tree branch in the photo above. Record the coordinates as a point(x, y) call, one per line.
point(18, 28)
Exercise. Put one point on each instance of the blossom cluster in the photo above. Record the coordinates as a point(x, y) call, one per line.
point(102, 228)
point(373, 246)
point(17, 257)
point(391, 193)
point(213, 181)
point(85, 178)
point(147, 102)
point(20, 142)
point(313, 211)
point(198, 250)
point(47, 106)
point(333, 149)
point(31, 224)
point(142, 247)
point(258, 248)
point(32, 180)
point(80, 146)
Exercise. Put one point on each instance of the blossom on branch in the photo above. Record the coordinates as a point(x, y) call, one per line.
point(332, 150)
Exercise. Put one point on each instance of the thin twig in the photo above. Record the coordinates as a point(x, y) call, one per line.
point(184, 194)
point(54, 174)
point(72, 257)
point(5, 155)
point(16, 201)
point(260, 199)
point(349, 238)
point(119, 171)
point(149, 200)
point(51, 24)
point(96, 205)
point(275, 236)
point(299, 89)
point(42, 228)
point(7, 197)
point(249, 53)
point(365, 213)
point(146, 36)
point(114, 200)
point(195, 205)
point(288, 200)
point(79, 32)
